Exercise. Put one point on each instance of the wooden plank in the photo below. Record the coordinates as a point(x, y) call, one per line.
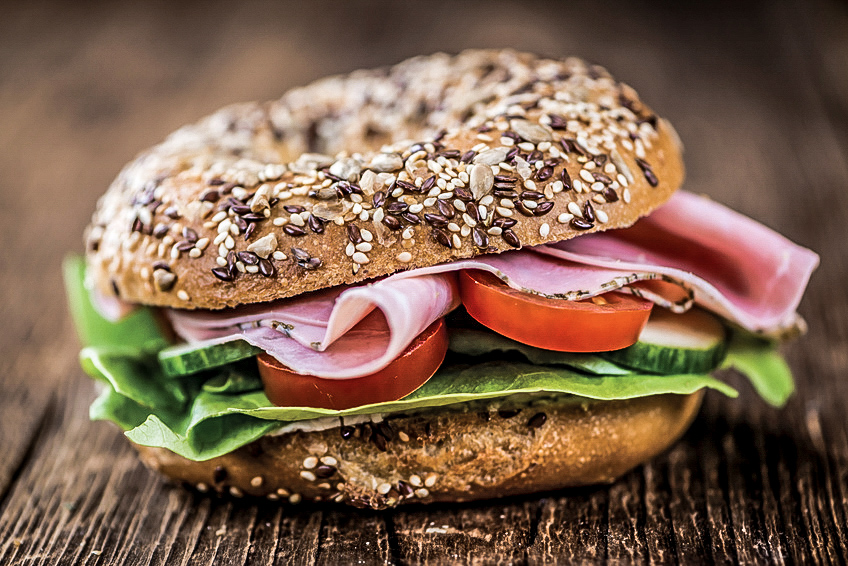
point(572, 527)
point(659, 535)
point(351, 537)
point(487, 533)
point(625, 520)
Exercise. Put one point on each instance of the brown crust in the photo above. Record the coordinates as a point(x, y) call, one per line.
point(449, 456)
point(140, 242)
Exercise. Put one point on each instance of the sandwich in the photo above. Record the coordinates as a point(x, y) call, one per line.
point(462, 277)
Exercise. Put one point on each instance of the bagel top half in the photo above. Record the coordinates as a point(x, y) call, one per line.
point(358, 176)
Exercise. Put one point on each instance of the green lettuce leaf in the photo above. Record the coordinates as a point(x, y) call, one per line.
point(138, 331)
point(760, 361)
point(201, 423)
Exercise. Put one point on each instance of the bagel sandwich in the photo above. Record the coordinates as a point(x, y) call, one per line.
point(462, 277)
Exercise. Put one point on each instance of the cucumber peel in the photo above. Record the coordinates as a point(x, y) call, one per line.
point(187, 359)
point(692, 342)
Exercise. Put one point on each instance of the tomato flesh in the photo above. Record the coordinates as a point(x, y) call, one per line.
point(404, 375)
point(611, 322)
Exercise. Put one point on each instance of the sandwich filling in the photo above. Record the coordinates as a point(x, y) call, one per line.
point(205, 396)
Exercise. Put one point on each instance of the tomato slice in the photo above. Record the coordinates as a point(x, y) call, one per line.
point(407, 373)
point(610, 322)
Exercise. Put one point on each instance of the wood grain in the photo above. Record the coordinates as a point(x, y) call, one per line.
point(759, 94)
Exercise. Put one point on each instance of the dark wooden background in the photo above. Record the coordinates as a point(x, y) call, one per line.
point(759, 93)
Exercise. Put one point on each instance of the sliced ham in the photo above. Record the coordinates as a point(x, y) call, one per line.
point(735, 266)
point(337, 334)
point(111, 308)
point(689, 248)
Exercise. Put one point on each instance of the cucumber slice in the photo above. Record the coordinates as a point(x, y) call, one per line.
point(692, 342)
point(186, 359)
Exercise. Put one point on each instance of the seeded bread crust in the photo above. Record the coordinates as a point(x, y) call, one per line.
point(264, 201)
point(446, 456)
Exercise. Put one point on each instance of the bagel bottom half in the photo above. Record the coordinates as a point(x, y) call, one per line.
point(449, 455)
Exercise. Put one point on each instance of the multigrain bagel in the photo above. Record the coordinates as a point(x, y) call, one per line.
point(460, 455)
point(359, 176)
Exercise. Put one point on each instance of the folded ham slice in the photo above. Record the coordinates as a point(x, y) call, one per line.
point(735, 266)
point(691, 248)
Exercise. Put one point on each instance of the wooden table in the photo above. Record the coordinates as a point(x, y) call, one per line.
point(759, 94)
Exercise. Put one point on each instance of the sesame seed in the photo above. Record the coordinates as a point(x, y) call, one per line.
point(221, 261)
point(465, 230)
point(503, 211)
point(279, 256)
point(363, 247)
point(421, 493)
point(183, 296)
point(564, 218)
point(597, 186)
point(194, 253)
point(236, 492)
point(457, 243)
point(431, 480)
point(279, 221)
point(249, 268)
point(202, 487)
point(404, 257)
point(307, 475)
point(350, 249)
point(577, 186)
point(295, 498)
point(626, 195)
point(256, 481)
point(415, 480)
point(428, 202)
point(544, 230)
point(494, 231)
point(384, 488)
point(407, 233)
point(360, 258)
point(310, 462)
point(574, 209)
point(366, 235)
point(403, 436)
